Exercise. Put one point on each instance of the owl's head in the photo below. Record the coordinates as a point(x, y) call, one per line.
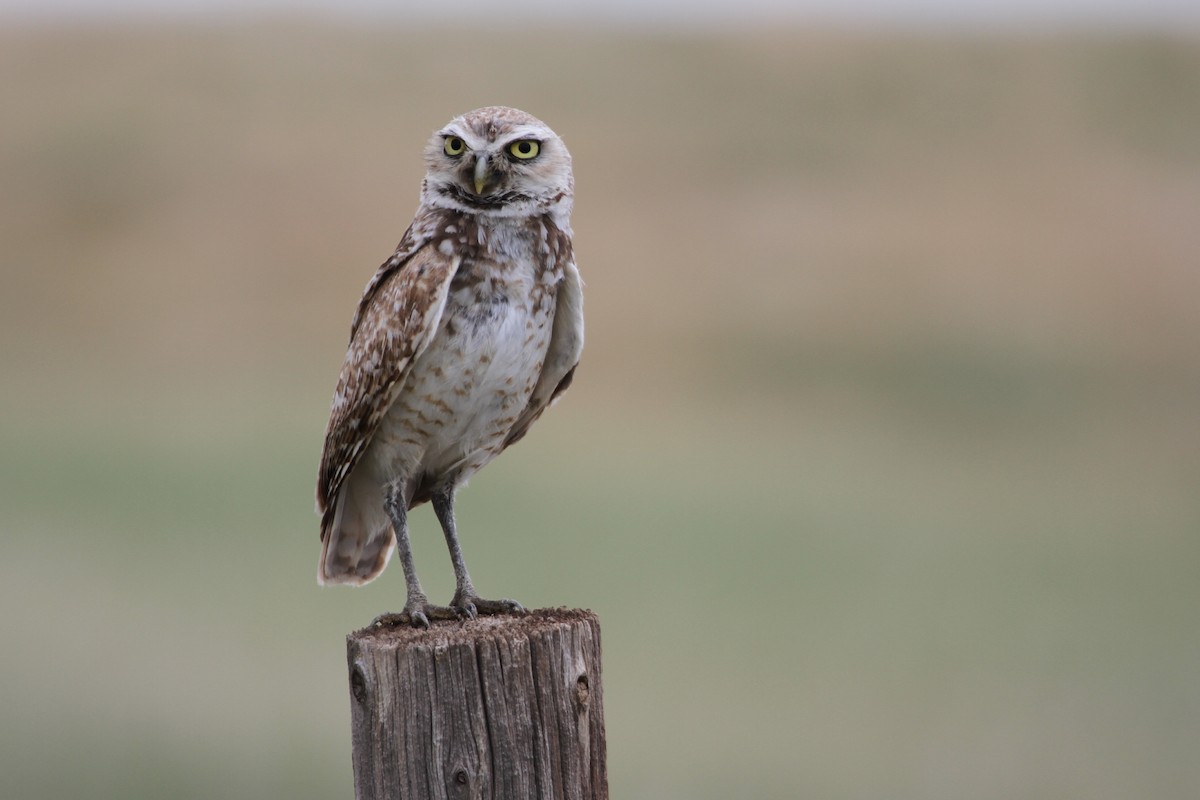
point(499, 162)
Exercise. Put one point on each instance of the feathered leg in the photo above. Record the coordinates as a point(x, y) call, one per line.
point(466, 601)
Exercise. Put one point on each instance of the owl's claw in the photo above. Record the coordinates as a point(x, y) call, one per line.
point(472, 605)
point(421, 613)
point(465, 606)
point(417, 614)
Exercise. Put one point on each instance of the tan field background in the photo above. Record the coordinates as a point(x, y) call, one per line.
point(882, 467)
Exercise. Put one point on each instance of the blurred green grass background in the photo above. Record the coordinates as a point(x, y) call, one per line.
point(882, 468)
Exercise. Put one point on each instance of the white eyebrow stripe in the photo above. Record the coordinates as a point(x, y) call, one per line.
point(525, 132)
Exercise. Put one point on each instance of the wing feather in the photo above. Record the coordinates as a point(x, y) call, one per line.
point(397, 318)
point(562, 356)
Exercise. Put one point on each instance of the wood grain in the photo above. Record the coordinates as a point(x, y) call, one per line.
point(498, 707)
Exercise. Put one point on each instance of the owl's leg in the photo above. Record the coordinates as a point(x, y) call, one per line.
point(465, 601)
point(418, 611)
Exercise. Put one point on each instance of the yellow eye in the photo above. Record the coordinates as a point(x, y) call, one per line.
point(454, 146)
point(525, 149)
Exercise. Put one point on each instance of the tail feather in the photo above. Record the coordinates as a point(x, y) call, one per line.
point(356, 535)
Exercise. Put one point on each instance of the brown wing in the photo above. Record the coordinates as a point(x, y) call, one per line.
point(566, 344)
point(396, 319)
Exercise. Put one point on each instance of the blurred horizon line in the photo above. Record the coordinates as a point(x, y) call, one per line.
point(1175, 16)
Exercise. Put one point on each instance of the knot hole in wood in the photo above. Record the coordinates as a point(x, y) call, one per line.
point(358, 684)
point(582, 691)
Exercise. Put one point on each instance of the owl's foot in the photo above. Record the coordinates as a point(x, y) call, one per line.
point(417, 614)
point(471, 605)
point(420, 614)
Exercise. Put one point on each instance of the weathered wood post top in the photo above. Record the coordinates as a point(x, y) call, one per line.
point(499, 707)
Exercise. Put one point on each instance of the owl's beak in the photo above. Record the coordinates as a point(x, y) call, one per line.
point(481, 173)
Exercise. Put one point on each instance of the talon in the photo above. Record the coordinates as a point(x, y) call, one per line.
point(474, 606)
point(426, 612)
point(508, 607)
point(389, 620)
point(419, 614)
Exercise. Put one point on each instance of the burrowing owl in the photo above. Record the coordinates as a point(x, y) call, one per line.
point(460, 342)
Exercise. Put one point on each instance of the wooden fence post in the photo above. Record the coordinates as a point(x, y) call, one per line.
point(498, 707)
